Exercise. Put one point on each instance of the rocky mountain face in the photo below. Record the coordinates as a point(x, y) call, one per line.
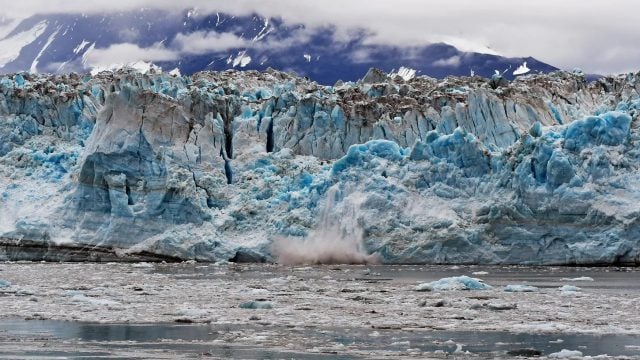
point(193, 41)
point(261, 166)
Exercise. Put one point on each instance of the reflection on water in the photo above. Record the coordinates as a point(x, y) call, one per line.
point(100, 340)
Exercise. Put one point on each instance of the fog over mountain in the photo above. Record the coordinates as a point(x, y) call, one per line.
point(591, 34)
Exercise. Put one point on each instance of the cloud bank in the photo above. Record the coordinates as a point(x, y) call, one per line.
point(598, 36)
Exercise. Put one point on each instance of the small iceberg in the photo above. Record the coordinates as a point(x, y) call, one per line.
point(565, 354)
point(520, 288)
point(569, 288)
point(582, 278)
point(257, 304)
point(454, 283)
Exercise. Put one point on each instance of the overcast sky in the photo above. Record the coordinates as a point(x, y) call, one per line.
point(600, 36)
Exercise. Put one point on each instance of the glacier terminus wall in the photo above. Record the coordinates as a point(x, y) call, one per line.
point(249, 166)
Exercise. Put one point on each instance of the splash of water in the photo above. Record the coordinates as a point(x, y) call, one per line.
point(337, 239)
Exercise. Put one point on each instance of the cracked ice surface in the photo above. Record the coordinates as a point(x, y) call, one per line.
point(219, 166)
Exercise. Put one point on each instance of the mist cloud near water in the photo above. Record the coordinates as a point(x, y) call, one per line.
point(337, 239)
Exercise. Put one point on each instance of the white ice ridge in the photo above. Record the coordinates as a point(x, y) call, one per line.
point(521, 70)
point(241, 60)
point(405, 73)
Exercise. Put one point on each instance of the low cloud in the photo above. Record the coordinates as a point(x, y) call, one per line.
point(127, 53)
point(595, 35)
point(202, 42)
point(452, 61)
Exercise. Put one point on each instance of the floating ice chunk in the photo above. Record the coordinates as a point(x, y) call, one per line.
point(454, 283)
point(582, 278)
point(565, 354)
point(4, 283)
point(479, 273)
point(94, 301)
point(142, 265)
point(520, 288)
point(521, 70)
point(569, 288)
point(259, 291)
point(257, 304)
point(279, 281)
point(191, 313)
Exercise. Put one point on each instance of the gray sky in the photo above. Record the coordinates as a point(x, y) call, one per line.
point(600, 36)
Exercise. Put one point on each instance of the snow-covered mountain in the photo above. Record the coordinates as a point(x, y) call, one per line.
point(194, 42)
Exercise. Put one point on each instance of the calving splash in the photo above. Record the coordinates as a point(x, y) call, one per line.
point(337, 239)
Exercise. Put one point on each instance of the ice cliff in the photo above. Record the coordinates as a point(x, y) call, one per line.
point(244, 166)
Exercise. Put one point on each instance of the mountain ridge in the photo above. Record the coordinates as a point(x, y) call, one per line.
point(61, 43)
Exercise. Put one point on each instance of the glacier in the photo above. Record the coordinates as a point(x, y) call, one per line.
point(229, 166)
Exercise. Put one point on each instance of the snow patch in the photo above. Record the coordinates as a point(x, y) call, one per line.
point(80, 47)
point(34, 65)
point(264, 32)
point(242, 59)
point(8, 27)
point(12, 46)
point(85, 56)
